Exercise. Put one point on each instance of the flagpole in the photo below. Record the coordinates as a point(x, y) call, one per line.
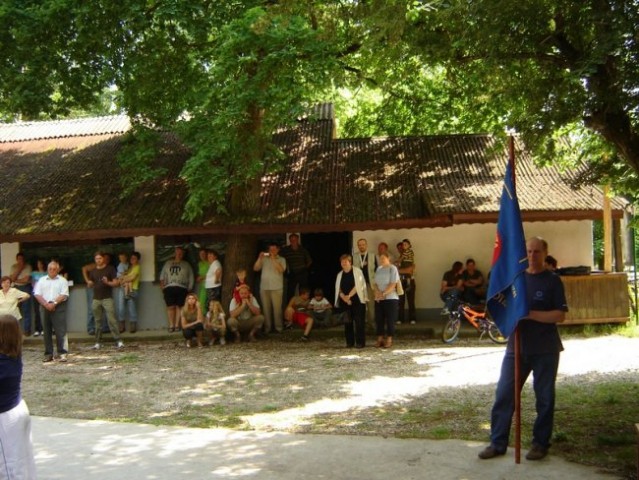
point(511, 159)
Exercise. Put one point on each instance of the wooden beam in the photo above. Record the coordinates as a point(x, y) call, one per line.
point(607, 230)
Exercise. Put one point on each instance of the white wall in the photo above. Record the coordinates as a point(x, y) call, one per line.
point(437, 248)
point(146, 247)
point(8, 254)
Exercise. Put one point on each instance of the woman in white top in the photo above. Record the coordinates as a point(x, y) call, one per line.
point(10, 297)
point(386, 301)
point(351, 297)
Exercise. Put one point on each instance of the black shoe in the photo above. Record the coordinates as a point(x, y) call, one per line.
point(536, 453)
point(490, 452)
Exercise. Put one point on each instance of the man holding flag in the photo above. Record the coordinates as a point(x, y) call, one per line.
point(526, 301)
point(539, 353)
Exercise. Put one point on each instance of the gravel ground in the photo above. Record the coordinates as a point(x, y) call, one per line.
point(280, 384)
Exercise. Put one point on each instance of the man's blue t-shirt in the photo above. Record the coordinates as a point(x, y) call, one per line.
point(545, 292)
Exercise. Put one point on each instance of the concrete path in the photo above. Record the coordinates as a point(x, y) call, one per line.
point(80, 450)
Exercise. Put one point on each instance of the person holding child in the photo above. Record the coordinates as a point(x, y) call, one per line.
point(215, 322)
point(297, 312)
point(130, 283)
point(191, 320)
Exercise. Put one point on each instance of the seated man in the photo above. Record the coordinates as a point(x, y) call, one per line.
point(452, 287)
point(473, 279)
point(297, 312)
point(245, 316)
point(321, 309)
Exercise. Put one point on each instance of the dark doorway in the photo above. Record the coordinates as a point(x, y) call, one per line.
point(325, 249)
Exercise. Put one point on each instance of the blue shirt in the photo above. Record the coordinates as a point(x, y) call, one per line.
point(10, 377)
point(545, 292)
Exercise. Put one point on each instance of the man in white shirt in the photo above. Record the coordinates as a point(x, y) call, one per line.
point(52, 293)
point(367, 263)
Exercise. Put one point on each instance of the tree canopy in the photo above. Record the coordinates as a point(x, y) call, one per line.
point(224, 74)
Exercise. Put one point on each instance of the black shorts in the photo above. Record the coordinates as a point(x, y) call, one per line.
point(175, 296)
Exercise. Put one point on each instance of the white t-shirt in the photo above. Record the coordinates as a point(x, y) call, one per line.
point(319, 305)
point(211, 273)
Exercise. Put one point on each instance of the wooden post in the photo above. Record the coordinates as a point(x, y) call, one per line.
point(607, 230)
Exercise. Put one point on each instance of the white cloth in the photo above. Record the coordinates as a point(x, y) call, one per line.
point(211, 273)
point(16, 448)
point(360, 285)
point(9, 302)
point(51, 288)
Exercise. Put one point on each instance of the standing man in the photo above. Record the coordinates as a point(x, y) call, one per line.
point(89, 292)
point(367, 263)
point(51, 293)
point(406, 267)
point(272, 266)
point(540, 347)
point(213, 278)
point(176, 280)
point(102, 279)
point(298, 261)
point(21, 278)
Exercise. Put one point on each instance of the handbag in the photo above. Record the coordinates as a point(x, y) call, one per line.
point(399, 288)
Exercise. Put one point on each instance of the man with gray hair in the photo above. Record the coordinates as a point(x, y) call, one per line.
point(51, 293)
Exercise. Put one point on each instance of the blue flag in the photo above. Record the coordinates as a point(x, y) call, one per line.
point(507, 300)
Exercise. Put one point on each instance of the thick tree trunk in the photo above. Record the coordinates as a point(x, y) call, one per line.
point(240, 253)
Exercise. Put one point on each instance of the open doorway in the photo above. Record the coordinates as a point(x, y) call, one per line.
point(325, 250)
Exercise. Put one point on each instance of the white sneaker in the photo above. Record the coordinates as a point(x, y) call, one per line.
point(97, 346)
point(222, 341)
point(188, 344)
point(120, 344)
point(412, 322)
point(63, 357)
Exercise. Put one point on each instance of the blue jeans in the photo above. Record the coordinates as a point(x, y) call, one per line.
point(544, 369)
point(450, 298)
point(25, 307)
point(132, 307)
point(118, 301)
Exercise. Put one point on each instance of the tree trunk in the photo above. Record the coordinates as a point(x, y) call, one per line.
point(241, 251)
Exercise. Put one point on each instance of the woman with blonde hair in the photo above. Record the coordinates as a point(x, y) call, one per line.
point(16, 449)
point(192, 320)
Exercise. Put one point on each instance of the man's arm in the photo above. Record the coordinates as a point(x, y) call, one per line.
point(549, 316)
point(85, 273)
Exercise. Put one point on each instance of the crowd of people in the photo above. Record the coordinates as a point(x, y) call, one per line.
point(364, 280)
point(368, 282)
point(370, 289)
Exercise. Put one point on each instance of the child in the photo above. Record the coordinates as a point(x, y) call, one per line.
point(216, 322)
point(296, 312)
point(320, 308)
point(121, 270)
point(239, 281)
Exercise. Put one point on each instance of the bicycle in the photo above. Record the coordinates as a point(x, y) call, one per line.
point(480, 320)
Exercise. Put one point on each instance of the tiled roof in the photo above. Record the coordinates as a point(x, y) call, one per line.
point(24, 131)
point(68, 186)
